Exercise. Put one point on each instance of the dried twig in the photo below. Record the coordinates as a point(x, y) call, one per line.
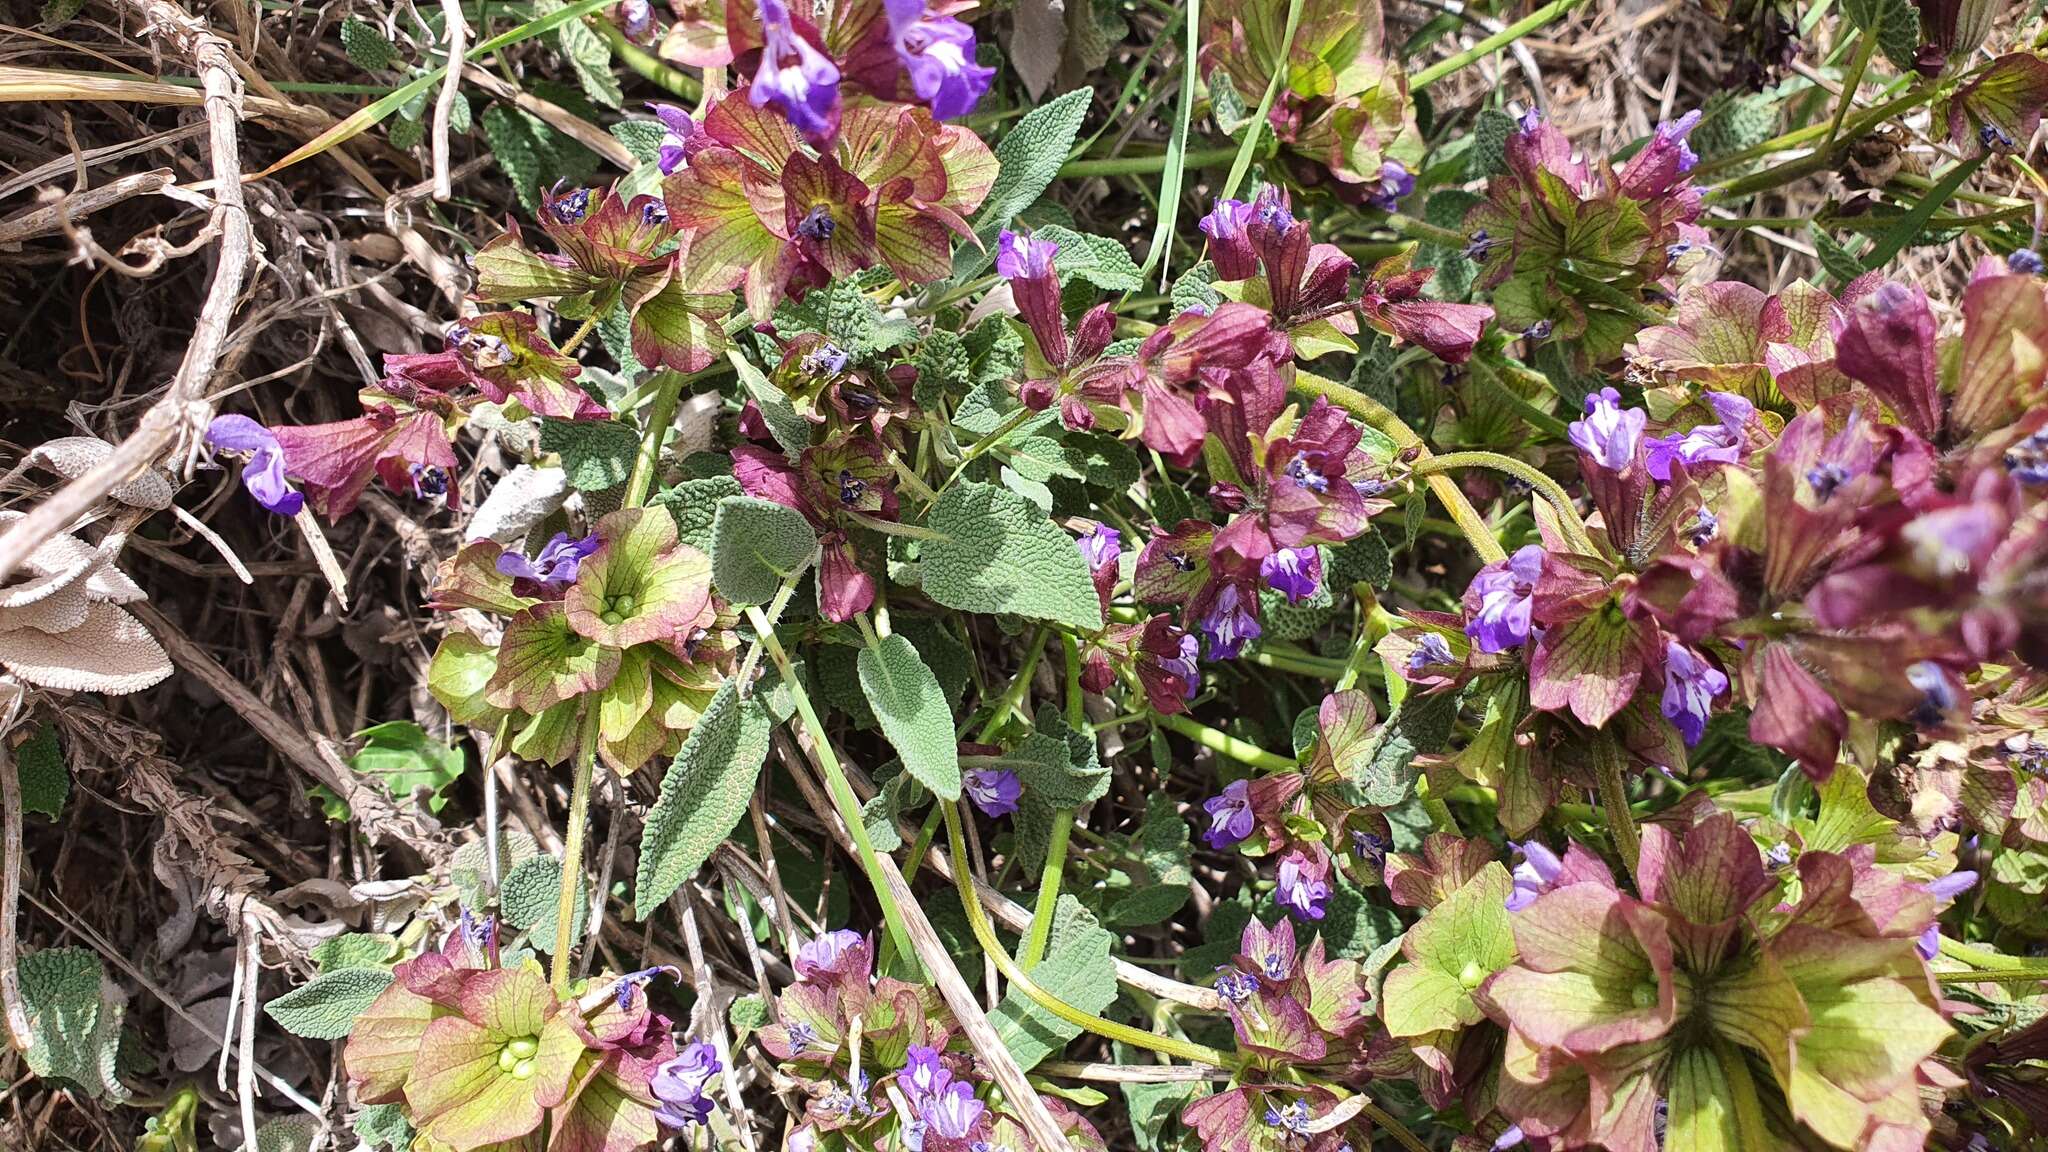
point(183, 410)
point(457, 33)
point(10, 898)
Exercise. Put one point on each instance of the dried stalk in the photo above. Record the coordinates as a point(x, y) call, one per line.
point(10, 898)
point(457, 32)
point(183, 410)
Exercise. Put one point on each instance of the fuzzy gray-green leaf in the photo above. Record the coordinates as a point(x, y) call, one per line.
point(703, 795)
point(912, 709)
point(755, 546)
point(325, 1008)
point(1001, 554)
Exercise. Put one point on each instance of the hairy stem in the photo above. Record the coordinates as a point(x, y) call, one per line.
point(572, 854)
point(843, 799)
point(660, 414)
point(1383, 419)
point(1567, 514)
point(985, 934)
point(1621, 822)
point(1048, 889)
point(1224, 744)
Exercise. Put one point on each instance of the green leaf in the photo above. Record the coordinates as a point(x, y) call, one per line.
point(942, 368)
point(406, 760)
point(355, 950)
point(756, 545)
point(787, 425)
point(45, 778)
point(327, 1007)
point(1451, 952)
point(747, 1014)
point(531, 900)
point(1001, 554)
point(512, 146)
point(1191, 289)
point(366, 45)
point(1146, 906)
point(74, 1015)
point(694, 504)
point(912, 709)
point(1099, 260)
point(1077, 969)
point(1030, 155)
point(596, 454)
point(1490, 134)
point(588, 54)
point(703, 795)
point(383, 1127)
point(1895, 23)
point(642, 138)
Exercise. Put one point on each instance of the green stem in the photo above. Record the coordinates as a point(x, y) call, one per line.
point(1415, 229)
point(576, 338)
point(1979, 958)
point(1048, 889)
point(985, 935)
point(2031, 974)
point(1856, 126)
point(1265, 656)
point(1224, 744)
point(1567, 515)
point(572, 854)
point(668, 392)
point(1850, 83)
point(1484, 372)
point(1013, 693)
point(1621, 823)
point(651, 67)
point(1378, 416)
point(1145, 163)
point(1491, 44)
point(843, 798)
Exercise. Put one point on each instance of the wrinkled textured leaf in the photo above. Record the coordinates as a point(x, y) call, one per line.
point(1001, 554)
point(913, 713)
point(703, 795)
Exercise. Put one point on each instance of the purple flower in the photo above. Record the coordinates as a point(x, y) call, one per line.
point(1431, 649)
point(679, 1084)
point(679, 131)
point(1509, 1138)
point(1230, 815)
point(1395, 182)
point(1270, 209)
point(264, 474)
point(1609, 433)
point(841, 953)
point(1304, 886)
point(952, 1113)
point(1675, 132)
point(556, 566)
point(1690, 686)
point(1022, 256)
point(938, 54)
point(994, 790)
point(1228, 624)
point(1102, 547)
point(1722, 443)
point(922, 1074)
point(1940, 691)
point(1234, 986)
point(2028, 459)
point(2024, 262)
point(1297, 572)
point(1534, 875)
point(636, 19)
point(1501, 619)
point(794, 75)
point(827, 359)
point(1230, 245)
point(1944, 891)
point(1292, 1118)
point(1183, 666)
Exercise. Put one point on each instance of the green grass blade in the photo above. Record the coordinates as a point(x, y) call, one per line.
point(1176, 154)
point(1243, 163)
point(1914, 222)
